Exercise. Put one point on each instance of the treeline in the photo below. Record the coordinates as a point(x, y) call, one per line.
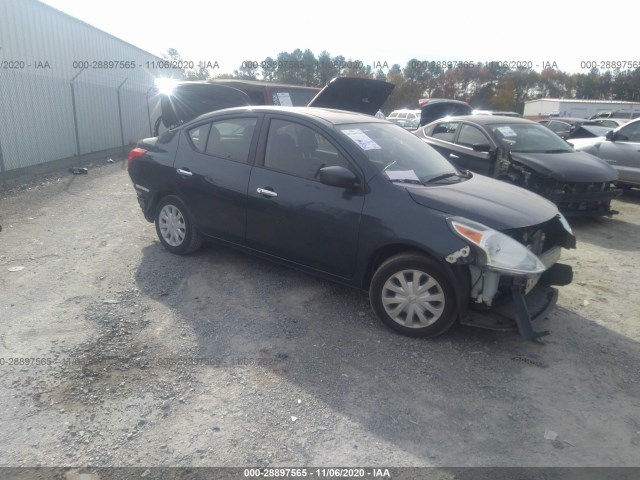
point(492, 85)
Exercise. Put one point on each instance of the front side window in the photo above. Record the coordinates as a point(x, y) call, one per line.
point(470, 136)
point(629, 133)
point(445, 131)
point(299, 150)
point(231, 138)
point(559, 127)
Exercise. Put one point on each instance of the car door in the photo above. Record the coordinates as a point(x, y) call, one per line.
point(291, 215)
point(623, 153)
point(213, 166)
point(469, 159)
point(443, 139)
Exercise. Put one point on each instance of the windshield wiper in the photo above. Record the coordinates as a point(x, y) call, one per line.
point(443, 176)
point(557, 150)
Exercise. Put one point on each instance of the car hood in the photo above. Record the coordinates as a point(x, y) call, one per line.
point(587, 131)
point(582, 143)
point(492, 202)
point(189, 100)
point(567, 167)
point(360, 95)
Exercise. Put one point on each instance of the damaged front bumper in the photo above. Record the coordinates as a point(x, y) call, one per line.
point(511, 303)
point(519, 307)
point(585, 203)
point(510, 272)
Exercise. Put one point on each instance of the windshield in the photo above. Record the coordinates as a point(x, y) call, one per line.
point(528, 138)
point(396, 152)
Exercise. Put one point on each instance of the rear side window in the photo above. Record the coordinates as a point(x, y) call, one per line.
point(231, 138)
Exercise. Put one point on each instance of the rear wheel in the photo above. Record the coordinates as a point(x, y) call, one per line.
point(411, 294)
point(175, 227)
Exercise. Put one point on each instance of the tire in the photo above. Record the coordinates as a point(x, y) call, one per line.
point(433, 315)
point(175, 227)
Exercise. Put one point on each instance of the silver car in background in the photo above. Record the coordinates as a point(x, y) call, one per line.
point(620, 148)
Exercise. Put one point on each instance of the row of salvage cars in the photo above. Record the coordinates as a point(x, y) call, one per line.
point(414, 219)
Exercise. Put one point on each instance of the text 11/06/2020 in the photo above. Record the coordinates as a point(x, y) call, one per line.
point(317, 472)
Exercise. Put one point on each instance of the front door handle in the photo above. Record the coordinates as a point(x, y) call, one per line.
point(451, 155)
point(269, 193)
point(184, 173)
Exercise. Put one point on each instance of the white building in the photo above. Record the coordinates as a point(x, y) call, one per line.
point(543, 107)
point(68, 89)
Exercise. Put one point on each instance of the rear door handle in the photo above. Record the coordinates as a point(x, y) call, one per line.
point(184, 172)
point(269, 193)
point(451, 155)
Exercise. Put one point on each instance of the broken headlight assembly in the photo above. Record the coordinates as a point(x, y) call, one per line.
point(564, 223)
point(497, 251)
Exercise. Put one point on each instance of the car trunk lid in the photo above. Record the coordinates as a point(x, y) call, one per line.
point(361, 95)
point(191, 99)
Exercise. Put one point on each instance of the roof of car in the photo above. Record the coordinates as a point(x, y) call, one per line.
point(332, 116)
point(258, 83)
point(487, 119)
point(567, 119)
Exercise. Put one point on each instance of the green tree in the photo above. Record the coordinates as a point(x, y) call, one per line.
point(310, 70)
point(200, 72)
point(505, 96)
point(174, 57)
point(327, 69)
point(268, 69)
point(247, 71)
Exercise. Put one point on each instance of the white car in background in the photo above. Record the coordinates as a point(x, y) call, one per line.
point(405, 113)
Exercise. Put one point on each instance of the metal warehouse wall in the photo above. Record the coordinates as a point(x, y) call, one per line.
point(38, 48)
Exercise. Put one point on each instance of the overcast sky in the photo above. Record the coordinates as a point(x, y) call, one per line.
point(229, 32)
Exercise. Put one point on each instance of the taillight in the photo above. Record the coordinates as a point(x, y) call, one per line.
point(135, 153)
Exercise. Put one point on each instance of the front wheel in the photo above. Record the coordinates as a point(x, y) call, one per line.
point(411, 294)
point(175, 227)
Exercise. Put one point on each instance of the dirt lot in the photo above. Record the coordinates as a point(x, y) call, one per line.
point(220, 359)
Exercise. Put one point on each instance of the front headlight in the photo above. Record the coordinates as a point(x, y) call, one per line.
point(497, 250)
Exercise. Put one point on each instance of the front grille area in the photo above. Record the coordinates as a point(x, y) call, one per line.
point(542, 237)
point(588, 198)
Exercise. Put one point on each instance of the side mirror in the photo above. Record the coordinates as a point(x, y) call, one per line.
point(336, 176)
point(610, 136)
point(481, 147)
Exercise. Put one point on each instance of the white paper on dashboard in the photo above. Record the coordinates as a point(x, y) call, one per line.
point(402, 175)
point(361, 139)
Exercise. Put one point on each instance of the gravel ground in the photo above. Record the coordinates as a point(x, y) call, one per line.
point(222, 359)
